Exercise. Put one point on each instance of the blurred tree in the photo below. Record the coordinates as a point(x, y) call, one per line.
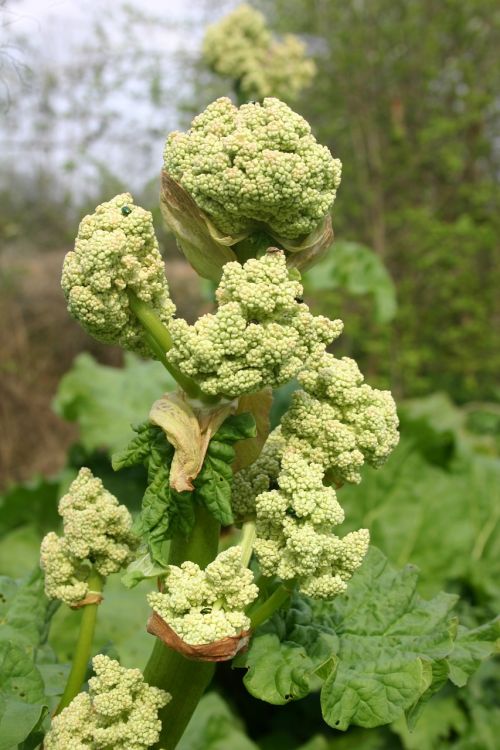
point(407, 94)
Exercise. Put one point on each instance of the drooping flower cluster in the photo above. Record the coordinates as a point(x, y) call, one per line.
point(330, 429)
point(96, 534)
point(340, 421)
point(262, 333)
point(253, 166)
point(241, 47)
point(203, 606)
point(116, 252)
point(120, 711)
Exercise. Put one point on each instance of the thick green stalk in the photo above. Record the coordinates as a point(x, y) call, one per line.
point(83, 646)
point(269, 607)
point(186, 680)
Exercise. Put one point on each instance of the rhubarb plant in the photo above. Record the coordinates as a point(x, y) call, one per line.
point(296, 603)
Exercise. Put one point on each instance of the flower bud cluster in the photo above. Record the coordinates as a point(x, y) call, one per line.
point(203, 606)
point(261, 335)
point(97, 533)
point(120, 711)
point(339, 420)
point(116, 252)
point(241, 47)
point(331, 428)
point(253, 166)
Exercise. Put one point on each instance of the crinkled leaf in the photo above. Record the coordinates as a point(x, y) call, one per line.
point(138, 449)
point(286, 655)
point(214, 727)
point(383, 652)
point(105, 401)
point(144, 568)
point(471, 647)
point(164, 511)
point(389, 638)
point(19, 677)
point(17, 720)
point(24, 611)
point(213, 484)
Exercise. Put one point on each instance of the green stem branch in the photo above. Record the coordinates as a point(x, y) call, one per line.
point(83, 646)
point(186, 680)
point(247, 541)
point(159, 339)
point(269, 607)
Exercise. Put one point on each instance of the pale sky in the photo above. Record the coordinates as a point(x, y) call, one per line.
point(56, 31)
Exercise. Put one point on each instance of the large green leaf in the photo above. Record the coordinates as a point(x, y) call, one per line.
point(17, 720)
point(378, 652)
point(214, 727)
point(24, 611)
point(357, 270)
point(446, 522)
point(105, 401)
point(287, 655)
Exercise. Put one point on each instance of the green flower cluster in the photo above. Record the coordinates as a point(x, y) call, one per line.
point(203, 606)
point(262, 333)
point(241, 47)
point(116, 252)
point(340, 421)
point(331, 428)
point(97, 534)
point(120, 711)
point(253, 166)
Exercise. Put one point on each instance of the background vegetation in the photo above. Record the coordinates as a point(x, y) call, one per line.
point(406, 95)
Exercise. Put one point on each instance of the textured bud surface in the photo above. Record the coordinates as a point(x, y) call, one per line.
point(120, 711)
point(204, 606)
point(96, 532)
point(255, 165)
point(115, 251)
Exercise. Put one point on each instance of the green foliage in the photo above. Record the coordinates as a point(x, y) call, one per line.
point(105, 401)
point(214, 482)
point(24, 616)
point(165, 511)
point(414, 508)
point(214, 727)
point(355, 270)
point(414, 129)
point(378, 651)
